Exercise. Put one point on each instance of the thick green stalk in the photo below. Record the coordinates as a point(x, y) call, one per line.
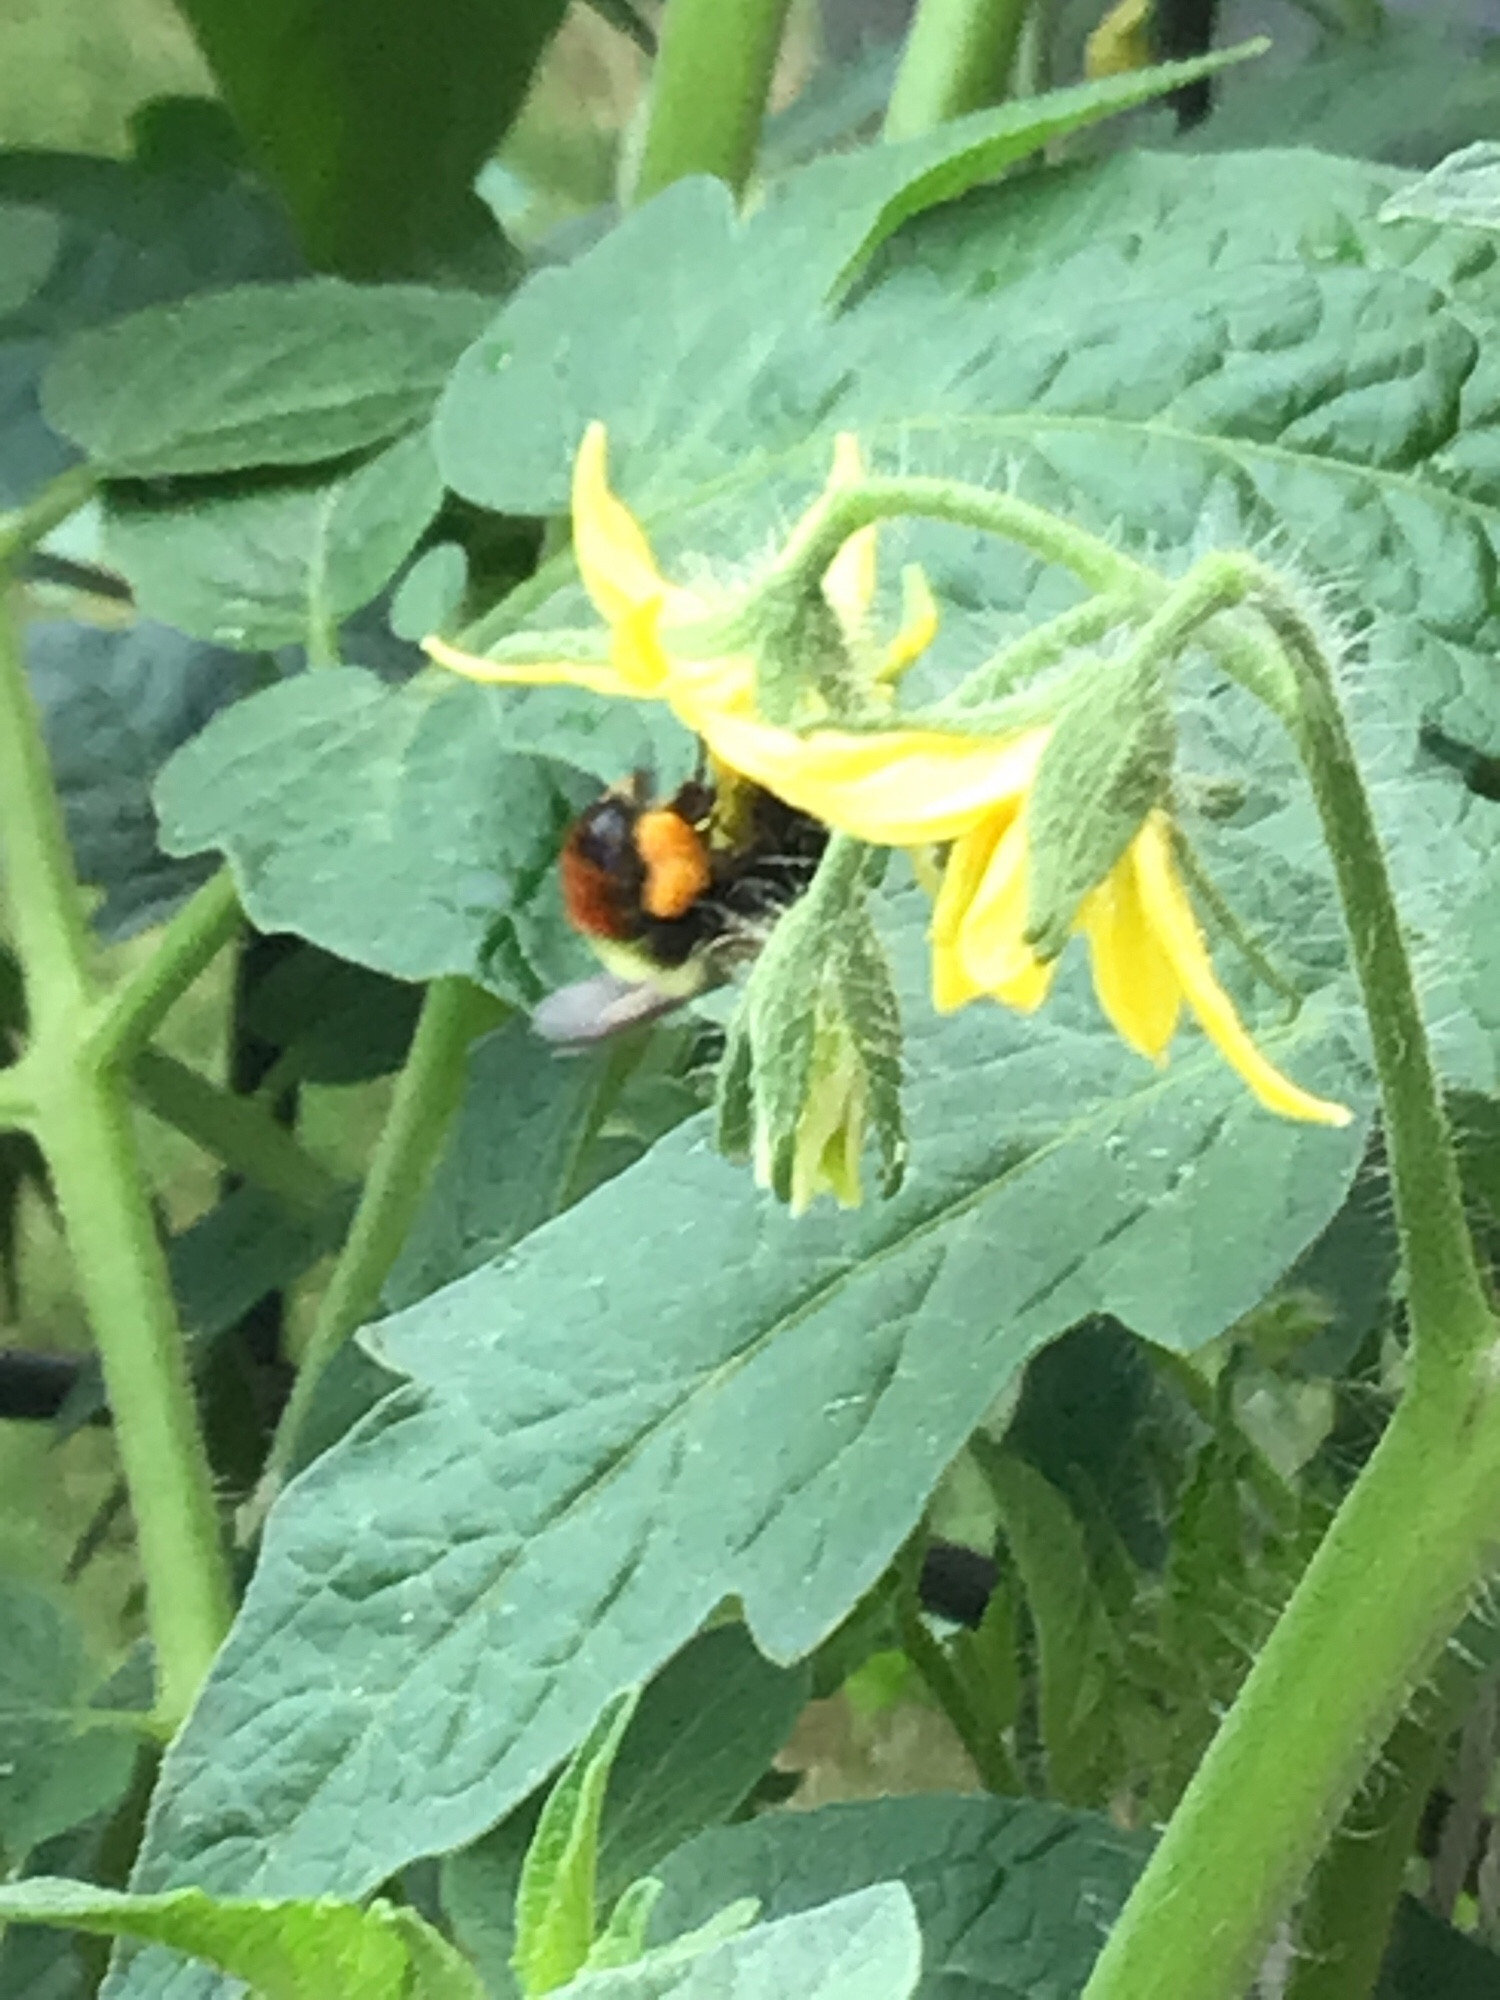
point(1418, 1531)
point(958, 57)
point(714, 65)
point(426, 1096)
point(82, 1121)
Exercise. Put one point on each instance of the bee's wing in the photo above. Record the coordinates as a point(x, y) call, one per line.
point(590, 1010)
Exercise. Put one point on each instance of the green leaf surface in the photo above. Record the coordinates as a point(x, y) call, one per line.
point(556, 1917)
point(247, 1245)
point(537, 1520)
point(389, 825)
point(1077, 1651)
point(1464, 188)
point(704, 1733)
point(45, 1964)
point(413, 829)
point(128, 239)
point(29, 242)
point(1013, 1896)
point(1430, 1960)
point(515, 1158)
point(330, 1021)
point(862, 1947)
point(373, 117)
point(61, 1761)
point(114, 705)
point(816, 231)
point(259, 375)
point(260, 567)
point(311, 1950)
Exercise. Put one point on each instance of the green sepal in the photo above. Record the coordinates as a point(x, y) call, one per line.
point(1107, 763)
point(555, 1910)
point(869, 997)
point(806, 672)
point(814, 1056)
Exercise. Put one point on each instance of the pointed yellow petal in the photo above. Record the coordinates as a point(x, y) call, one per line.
point(952, 987)
point(899, 788)
point(919, 623)
point(1167, 909)
point(598, 676)
point(614, 557)
point(992, 945)
point(1134, 979)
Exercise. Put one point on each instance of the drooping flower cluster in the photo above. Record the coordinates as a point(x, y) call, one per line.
point(904, 786)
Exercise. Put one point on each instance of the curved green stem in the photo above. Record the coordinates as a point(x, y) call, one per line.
point(958, 57)
point(132, 1012)
point(1416, 1535)
point(24, 527)
point(82, 1120)
point(426, 1097)
point(714, 66)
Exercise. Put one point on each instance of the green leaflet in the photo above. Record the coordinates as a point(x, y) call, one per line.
point(314, 1950)
point(258, 375)
point(262, 567)
point(62, 1760)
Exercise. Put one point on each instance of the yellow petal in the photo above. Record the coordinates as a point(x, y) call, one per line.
point(1167, 909)
point(968, 859)
point(919, 623)
point(598, 676)
point(639, 659)
point(614, 557)
point(952, 987)
point(849, 580)
point(900, 788)
point(1134, 979)
point(991, 939)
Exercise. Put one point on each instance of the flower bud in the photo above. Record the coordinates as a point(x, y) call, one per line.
point(813, 1064)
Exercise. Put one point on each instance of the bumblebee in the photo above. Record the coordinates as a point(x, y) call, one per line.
point(673, 895)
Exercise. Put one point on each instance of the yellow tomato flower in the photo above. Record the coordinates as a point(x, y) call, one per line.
point(911, 787)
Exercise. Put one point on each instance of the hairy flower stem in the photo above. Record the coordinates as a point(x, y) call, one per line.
point(958, 57)
point(1420, 1528)
point(426, 1097)
point(81, 1116)
point(709, 88)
